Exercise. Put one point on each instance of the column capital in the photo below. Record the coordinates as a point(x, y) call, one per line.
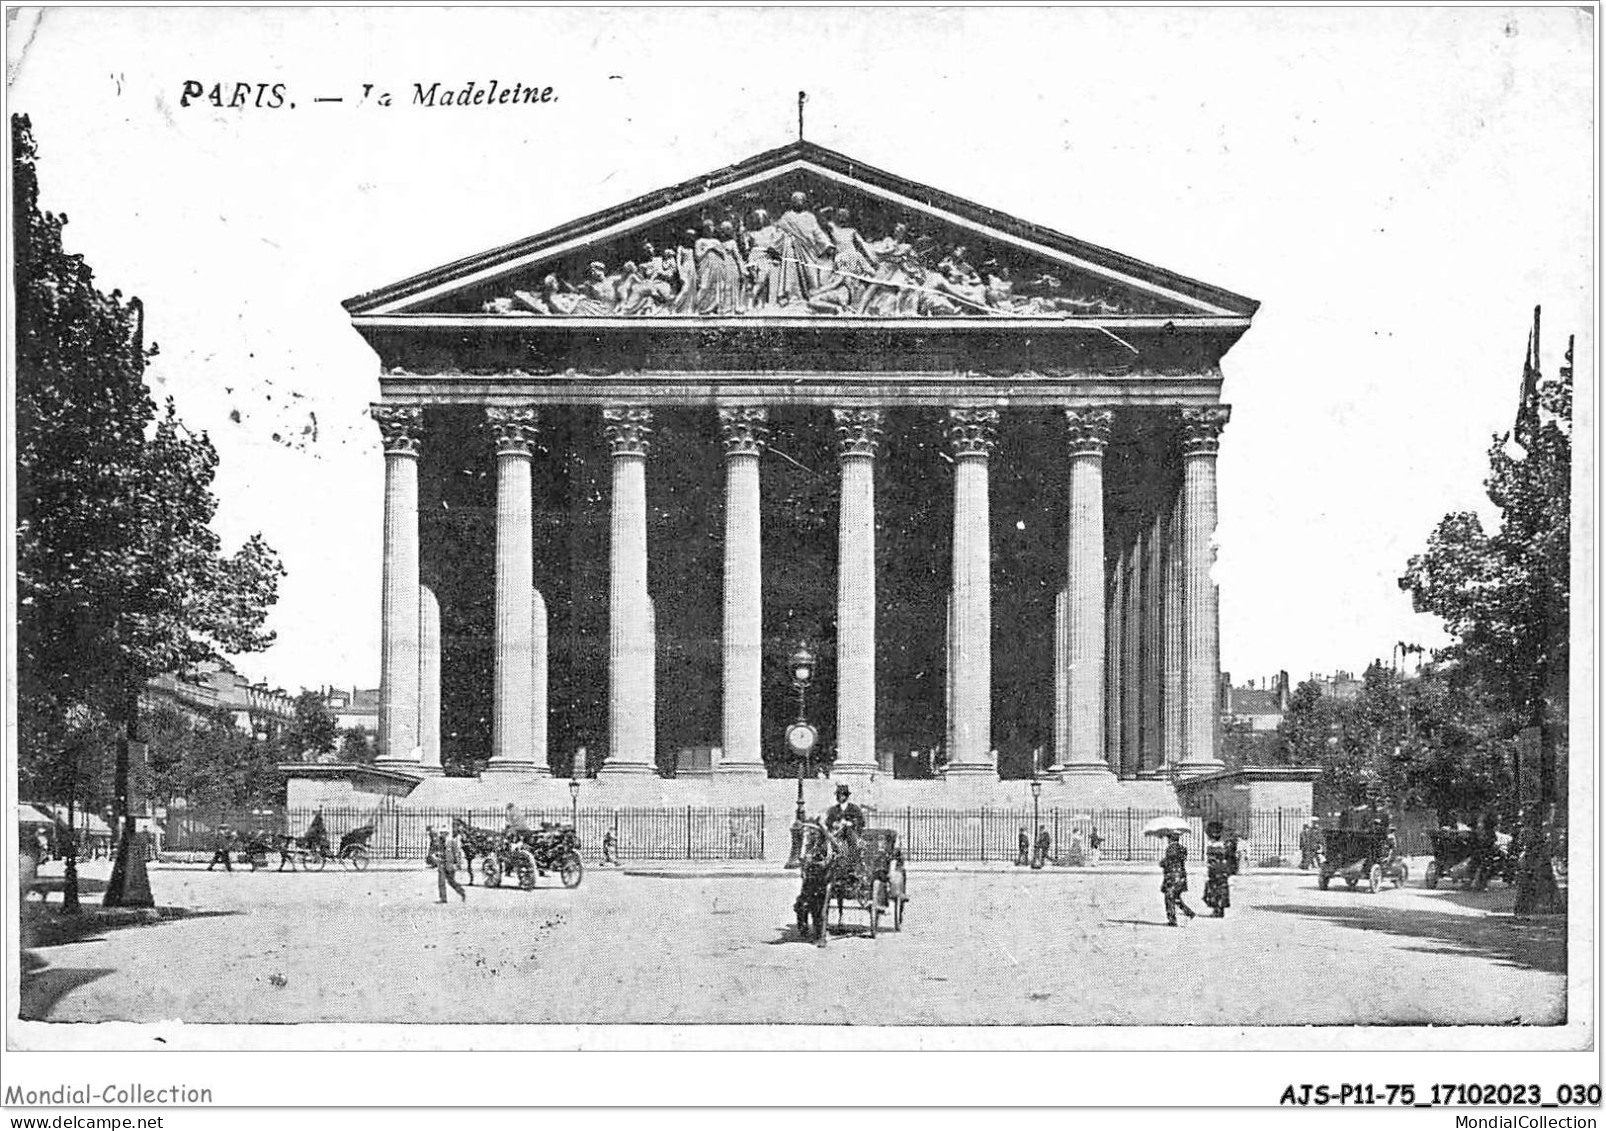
point(1089, 430)
point(746, 430)
point(513, 429)
point(858, 431)
point(1201, 429)
point(628, 428)
point(972, 431)
point(401, 428)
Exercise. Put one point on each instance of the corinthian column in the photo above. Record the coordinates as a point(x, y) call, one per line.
point(971, 436)
point(631, 669)
point(1085, 630)
point(1131, 658)
point(1201, 673)
point(1062, 665)
point(1172, 659)
point(857, 431)
point(514, 432)
point(429, 680)
point(1152, 750)
point(538, 684)
point(1115, 609)
point(401, 429)
point(744, 430)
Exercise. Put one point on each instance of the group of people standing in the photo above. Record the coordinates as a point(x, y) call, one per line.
point(1221, 864)
point(801, 261)
point(1035, 852)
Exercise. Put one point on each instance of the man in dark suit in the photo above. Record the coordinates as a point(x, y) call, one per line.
point(221, 845)
point(844, 813)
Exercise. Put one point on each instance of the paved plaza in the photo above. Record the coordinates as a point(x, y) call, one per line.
point(996, 947)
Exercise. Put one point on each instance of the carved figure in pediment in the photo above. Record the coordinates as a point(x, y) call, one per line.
point(685, 258)
point(644, 290)
point(853, 261)
point(762, 260)
point(653, 265)
point(956, 268)
point(597, 295)
point(889, 292)
point(719, 270)
point(806, 252)
point(1054, 298)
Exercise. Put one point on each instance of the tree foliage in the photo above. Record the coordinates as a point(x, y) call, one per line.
point(210, 762)
point(315, 730)
point(1504, 595)
point(119, 574)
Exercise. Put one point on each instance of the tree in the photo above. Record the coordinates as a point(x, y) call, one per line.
point(119, 574)
point(210, 762)
point(315, 730)
point(356, 747)
point(1505, 596)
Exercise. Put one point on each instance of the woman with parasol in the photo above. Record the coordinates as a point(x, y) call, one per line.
point(1173, 865)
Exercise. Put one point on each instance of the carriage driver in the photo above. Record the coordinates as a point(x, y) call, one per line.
point(846, 820)
point(515, 820)
point(844, 814)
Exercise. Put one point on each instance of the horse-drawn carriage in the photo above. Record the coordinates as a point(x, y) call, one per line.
point(1464, 855)
point(311, 849)
point(524, 853)
point(865, 869)
point(1366, 852)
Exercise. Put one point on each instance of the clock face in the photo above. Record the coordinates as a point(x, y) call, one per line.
point(800, 736)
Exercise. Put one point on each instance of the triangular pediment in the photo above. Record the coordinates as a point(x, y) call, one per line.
point(801, 231)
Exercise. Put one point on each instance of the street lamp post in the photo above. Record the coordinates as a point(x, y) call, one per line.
point(800, 738)
point(574, 803)
point(1037, 791)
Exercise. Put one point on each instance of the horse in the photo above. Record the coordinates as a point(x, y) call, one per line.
point(476, 843)
point(827, 867)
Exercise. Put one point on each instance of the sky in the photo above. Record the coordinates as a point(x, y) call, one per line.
point(1398, 188)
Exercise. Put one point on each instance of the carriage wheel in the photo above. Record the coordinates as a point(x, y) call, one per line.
point(492, 869)
point(526, 866)
point(315, 861)
point(1353, 884)
point(1431, 878)
point(573, 871)
point(1374, 878)
point(358, 856)
point(1402, 874)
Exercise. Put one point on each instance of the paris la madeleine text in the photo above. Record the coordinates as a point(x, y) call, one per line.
point(277, 95)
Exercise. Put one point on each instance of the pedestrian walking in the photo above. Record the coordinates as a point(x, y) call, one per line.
point(1174, 878)
point(221, 844)
point(1044, 843)
point(1310, 842)
point(610, 847)
point(1218, 869)
point(448, 853)
point(1094, 843)
point(1025, 848)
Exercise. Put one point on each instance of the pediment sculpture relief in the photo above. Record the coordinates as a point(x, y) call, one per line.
point(803, 260)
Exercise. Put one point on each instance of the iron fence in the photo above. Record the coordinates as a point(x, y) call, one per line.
point(989, 834)
point(400, 833)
